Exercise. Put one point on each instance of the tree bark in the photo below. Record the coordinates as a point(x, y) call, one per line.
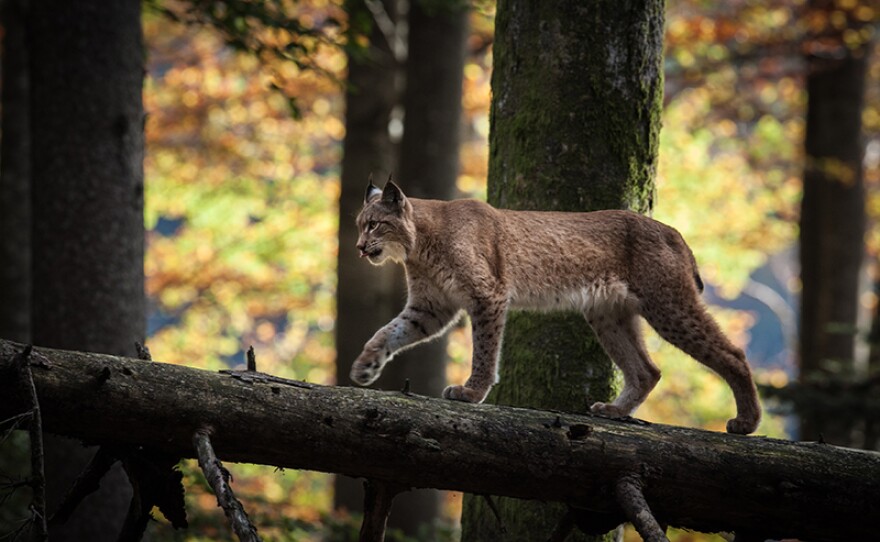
point(690, 478)
point(86, 68)
point(15, 180)
point(577, 92)
point(832, 222)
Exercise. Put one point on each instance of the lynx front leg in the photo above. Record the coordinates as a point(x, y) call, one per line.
point(420, 321)
point(487, 323)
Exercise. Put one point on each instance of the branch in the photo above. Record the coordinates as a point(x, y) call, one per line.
point(139, 508)
point(155, 483)
point(698, 480)
point(219, 477)
point(251, 360)
point(85, 484)
point(388, 28)
point(630, 497)
point(38, 473)
point(377, 505)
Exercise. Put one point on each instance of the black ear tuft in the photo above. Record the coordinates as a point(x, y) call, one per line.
point(392, 193)
point(372, 192)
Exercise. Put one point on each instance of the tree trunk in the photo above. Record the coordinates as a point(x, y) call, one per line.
point(871, 430)
point(577, 91)
point(832, 223)
point(87, 118)
point(15, 181)
point(695, 479)
point(15, 223)
point(367, 297)
point(428, 168)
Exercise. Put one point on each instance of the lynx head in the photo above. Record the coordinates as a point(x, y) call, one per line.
point(385, 224)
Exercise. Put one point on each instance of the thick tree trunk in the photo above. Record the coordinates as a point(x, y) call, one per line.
point(577, 91)
point(15, 180)
point(367, 297)
point(695, 479)
point(832, 222)
point(86, 68)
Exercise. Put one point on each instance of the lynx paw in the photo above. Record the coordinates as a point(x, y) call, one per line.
point(367, 368)
point(742, 426)
point(462, 393)
point(608, 410)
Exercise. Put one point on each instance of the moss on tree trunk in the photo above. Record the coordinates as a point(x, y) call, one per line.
point(577, 93)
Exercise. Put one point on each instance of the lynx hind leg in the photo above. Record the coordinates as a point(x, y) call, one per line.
point(688, 326)
point(620, 336)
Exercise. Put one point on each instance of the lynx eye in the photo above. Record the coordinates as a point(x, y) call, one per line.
point(371, 225)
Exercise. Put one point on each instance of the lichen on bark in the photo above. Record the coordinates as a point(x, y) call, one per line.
point(577, 94)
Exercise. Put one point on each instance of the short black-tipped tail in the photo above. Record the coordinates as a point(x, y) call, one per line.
point(698, 280)
point(694, 269)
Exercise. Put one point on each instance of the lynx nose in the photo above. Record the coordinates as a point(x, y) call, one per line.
point(361, 251)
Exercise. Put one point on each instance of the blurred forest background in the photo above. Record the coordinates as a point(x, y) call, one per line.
point(243, 158)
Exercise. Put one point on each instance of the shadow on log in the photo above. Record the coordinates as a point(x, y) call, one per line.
point(690, 478)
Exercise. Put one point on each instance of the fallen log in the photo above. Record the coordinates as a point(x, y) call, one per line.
point(690, 478)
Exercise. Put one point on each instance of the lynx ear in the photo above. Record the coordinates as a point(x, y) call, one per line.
point(392, 193)
point(372, 192)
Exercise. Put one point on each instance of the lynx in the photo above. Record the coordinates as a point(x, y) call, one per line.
point(612, 266)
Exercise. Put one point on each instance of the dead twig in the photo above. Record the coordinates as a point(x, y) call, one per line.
point(38, 473)
point(10, 485)
point(251, 360)
point(143, 352)
point(14, 423)
point(219, 477)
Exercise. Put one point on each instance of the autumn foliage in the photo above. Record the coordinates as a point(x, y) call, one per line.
point(241, 203)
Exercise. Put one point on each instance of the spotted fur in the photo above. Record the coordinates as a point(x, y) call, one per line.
point(612, 266)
